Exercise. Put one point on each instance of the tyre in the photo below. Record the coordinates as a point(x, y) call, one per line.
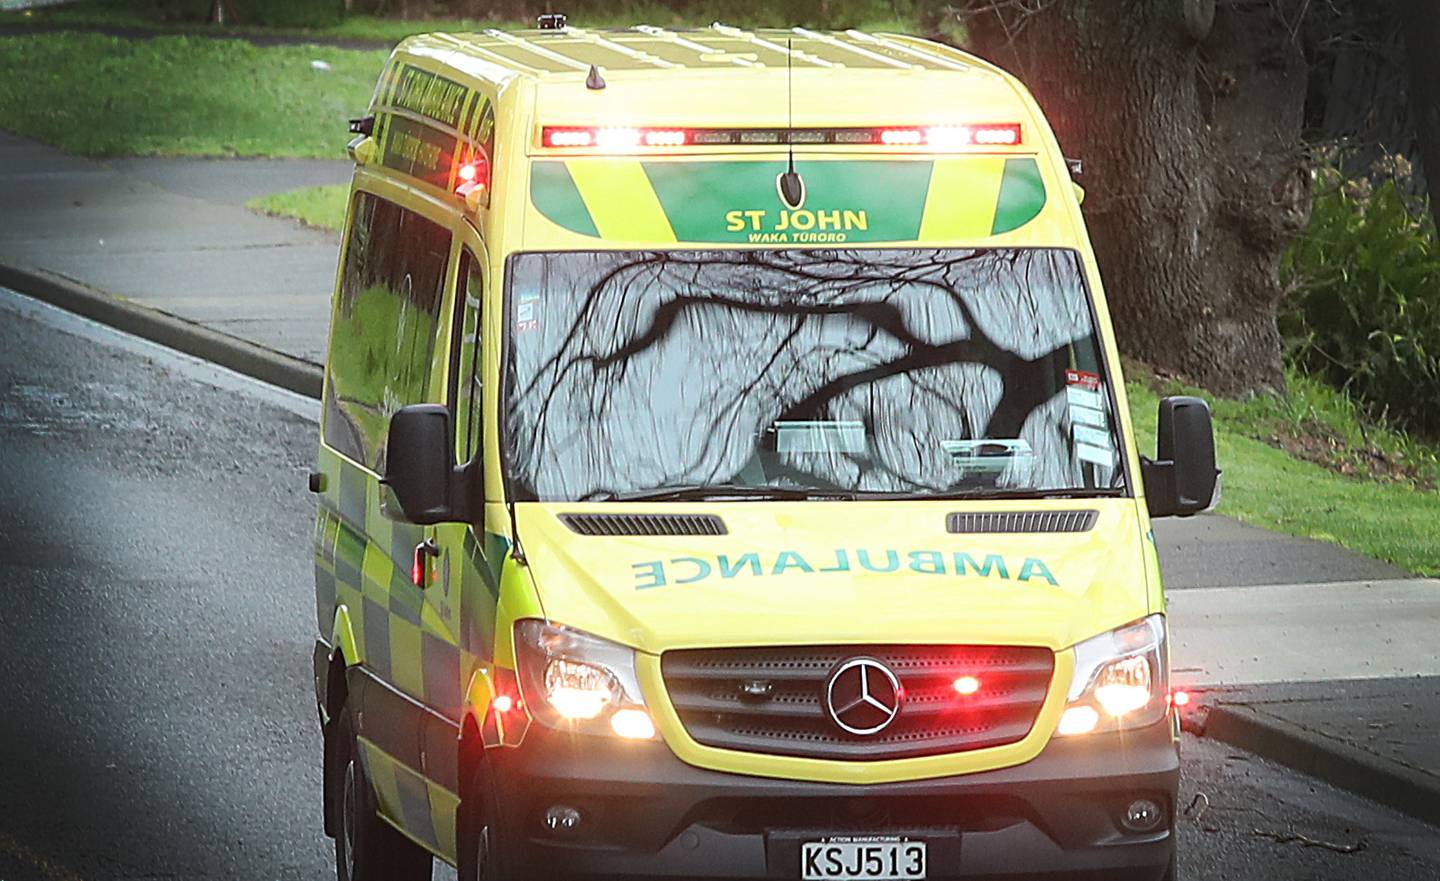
point(483, 853)
point(366, 847)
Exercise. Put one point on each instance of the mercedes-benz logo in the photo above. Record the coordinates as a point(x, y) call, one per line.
point(863, 696)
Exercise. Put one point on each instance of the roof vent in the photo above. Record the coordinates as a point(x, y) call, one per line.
point(645, 524)
point(973, 522)
point(553, 21)
point(593, 80)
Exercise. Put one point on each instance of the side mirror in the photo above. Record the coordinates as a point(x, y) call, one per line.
point(421, 485)
point(1182, 479)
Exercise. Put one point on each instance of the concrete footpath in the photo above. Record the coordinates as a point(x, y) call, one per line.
point(1299, 650)
point(174, 236)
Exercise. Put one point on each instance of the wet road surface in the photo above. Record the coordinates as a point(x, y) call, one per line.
point(154, 709)
point(156, 717)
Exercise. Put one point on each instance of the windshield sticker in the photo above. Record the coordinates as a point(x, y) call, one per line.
point(527, 312)
point(1088, 419)
point(725, 567)
point(991, 458)
point(817, 436)
point(737, 202)
point(1082, 379)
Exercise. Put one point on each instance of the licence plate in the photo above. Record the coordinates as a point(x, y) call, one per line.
point(862, 859)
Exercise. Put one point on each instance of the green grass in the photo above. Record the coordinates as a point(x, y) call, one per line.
point(322, 207)
point(362, 27)
point(355, 27)
point(98, 95)
point(1310, 465)
point(871, 15)
point(102, 96)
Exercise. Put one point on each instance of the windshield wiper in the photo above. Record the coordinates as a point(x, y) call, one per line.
point(985, 493)
point(704, 492)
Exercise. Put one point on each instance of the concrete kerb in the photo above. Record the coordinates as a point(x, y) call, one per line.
point(242, 356)
point(1407, 790)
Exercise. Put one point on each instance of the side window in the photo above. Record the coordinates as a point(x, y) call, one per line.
point(470, 371)
point(385, 325)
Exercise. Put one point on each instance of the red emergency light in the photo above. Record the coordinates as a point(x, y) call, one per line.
point(472, 182)
point(475, 173)
point(937, 137)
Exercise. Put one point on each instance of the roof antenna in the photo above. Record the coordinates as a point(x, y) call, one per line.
point(594, 81)
point(792, 187)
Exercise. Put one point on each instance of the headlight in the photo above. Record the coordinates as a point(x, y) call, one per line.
point(1120, 680)
point(579, 682)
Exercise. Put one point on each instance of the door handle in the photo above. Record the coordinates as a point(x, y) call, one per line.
point(425, 551)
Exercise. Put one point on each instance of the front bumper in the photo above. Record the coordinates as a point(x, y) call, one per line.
point(646, 814)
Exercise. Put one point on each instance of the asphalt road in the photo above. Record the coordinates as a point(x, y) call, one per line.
point(156, 720)
point(154, 709)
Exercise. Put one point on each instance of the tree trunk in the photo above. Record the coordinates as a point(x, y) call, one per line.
point(1422, 36)
point(1195, 177)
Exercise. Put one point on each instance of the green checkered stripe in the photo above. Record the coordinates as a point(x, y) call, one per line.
point(362, 562)
point(480, 593)
point(423, 810)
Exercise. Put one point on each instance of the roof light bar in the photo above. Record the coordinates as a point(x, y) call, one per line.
point(665, 138)
point(938, 137)
point(569, 137)
point(617, 138)
point(898, 137)
point(997, 135)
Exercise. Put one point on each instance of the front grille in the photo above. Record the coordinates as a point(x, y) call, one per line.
point(975, 522)
point(644, 524)
point(772, 700)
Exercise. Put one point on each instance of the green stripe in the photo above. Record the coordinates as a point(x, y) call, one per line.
point(325, 598)
point(405, 598)
point(440, 668)
point(404, 538)
point(846, 201)
point(555, 195)
point(699, 198)
point(1022, 196)
point(350, 557)
point(480, 591)
point(377, 639)
point(352, 495)
point(414, 797)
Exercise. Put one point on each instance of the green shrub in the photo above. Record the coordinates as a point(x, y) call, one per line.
point(747, 13)
point(395, 19)
point(1365, 313)
point(241, 13)
point(593, 13)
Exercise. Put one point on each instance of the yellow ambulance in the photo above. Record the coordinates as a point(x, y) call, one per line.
point(726, 473)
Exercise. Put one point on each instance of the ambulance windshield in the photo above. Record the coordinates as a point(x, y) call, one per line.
point(789, 374)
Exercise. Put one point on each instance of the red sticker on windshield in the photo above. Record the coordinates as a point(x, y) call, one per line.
point(1081, 379)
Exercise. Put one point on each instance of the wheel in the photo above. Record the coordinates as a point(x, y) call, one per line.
point(483, 854)
point(366, 847)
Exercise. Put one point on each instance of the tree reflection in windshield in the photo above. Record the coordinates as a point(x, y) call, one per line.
point(868, 371)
